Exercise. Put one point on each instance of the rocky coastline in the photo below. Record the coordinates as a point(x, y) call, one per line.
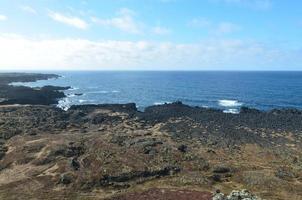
point(170, 151)
point(10, 94)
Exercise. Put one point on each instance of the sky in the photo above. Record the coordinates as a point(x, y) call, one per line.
point(150, 35)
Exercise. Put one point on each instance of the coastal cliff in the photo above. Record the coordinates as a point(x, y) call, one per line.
point(10, 94)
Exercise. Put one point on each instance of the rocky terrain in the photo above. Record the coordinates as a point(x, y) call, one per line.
point(10, 94)
point(172, 151)
point(168, 152)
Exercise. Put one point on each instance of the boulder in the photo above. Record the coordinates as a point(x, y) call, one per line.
point(75, 164)
point(221, 169)
point(235, 195)
point(183, 148)
point(66, 178)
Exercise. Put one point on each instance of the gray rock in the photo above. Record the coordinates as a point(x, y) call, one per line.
point(66, 178)
point(219, 196)
point(235, 195)
point(75, 164)
point(241, 195)
point(221, 169)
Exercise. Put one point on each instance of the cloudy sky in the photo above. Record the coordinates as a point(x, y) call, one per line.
point(150, 35)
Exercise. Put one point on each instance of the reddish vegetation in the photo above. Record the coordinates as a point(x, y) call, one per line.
point(166, 194)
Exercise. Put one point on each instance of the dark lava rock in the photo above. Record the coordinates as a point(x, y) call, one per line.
point(221, 169)
point(66, 178)
point(75, 164)
point(285, 174)
point(6, 78)
point(3, 150)
point(74, 150)
point(216, 177)
point(165, 194)
point(130, 107)
point(183, 148)
point(46, 95)
point(108, 180)
point(247, 110)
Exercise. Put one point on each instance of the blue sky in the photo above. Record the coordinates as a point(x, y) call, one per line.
point(151, 34)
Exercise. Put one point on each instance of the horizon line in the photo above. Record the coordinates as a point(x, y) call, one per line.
point(148, 70)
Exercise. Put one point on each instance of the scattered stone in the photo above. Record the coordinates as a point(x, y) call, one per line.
point(221, 169)
point(216, 177)
point(108, 180)
point(66, 178)
point(75, 164)
point(183, 148)
point(3, 150)
point(241, 195)
point(165, 194)
point(218, 195)
point(235, 195)
point(285, 174)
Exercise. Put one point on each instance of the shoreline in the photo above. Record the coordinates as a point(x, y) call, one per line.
point(52, 95)
point(46, 95)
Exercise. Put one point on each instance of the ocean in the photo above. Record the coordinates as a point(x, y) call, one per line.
point(224, 90)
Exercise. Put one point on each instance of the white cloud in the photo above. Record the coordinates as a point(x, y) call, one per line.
point(69, 20)
point(126, 11)
point(167, 1)
point(226, 27)
point(29, 9)
point(254, 4)
point(158, 30)
point(3, 18)
point(220, 28)
point(124, 22)
point(72, 54)
point(199, 23)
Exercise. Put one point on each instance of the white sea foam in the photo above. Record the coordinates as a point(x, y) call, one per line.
point(73, 88)
point(71, 95)
point(232, 111)
point(83, 100)
point(115, 91)
point(160, 103)
point(229, 103)
point(2, 99)
point(64, 104)
point(99, 92)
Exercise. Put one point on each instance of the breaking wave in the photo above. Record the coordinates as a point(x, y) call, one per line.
point(232, 111)
point(229, 103)
point(64, 104)
point(161, 103)
point(73, 88)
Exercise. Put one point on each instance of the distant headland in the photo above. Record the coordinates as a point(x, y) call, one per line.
point(10, 94)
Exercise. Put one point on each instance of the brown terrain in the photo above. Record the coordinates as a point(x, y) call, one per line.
point(117, 152)
point(172, 151)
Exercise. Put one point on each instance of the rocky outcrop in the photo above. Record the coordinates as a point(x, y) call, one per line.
point(165, 194)
point(235, 195)
point(47, 95)
point(140, 176)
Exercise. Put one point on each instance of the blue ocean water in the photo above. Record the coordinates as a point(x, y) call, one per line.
point(225, 90)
